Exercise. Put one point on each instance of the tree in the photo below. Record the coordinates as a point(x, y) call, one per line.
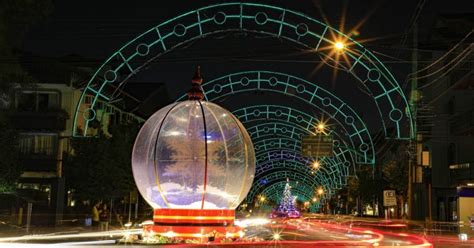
point(10, 168)
point(100, 167)
point(16, 16)
point(287, 204)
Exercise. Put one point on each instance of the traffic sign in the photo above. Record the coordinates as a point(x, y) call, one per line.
point(389, 198)
point(317, 145)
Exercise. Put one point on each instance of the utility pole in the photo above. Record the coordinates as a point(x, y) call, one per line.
point(414, 97)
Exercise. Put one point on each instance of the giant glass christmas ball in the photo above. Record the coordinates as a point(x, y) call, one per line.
point(193, 155)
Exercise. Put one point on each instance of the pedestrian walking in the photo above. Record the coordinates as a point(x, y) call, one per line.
point(96, 210)
point(104, 218)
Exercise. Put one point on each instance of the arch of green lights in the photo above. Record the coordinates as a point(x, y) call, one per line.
point(278, 22)
point(268, 136)
point(291, 160)
point(268, 143)
point(288, 149)
point(334, 169)
point(280, 147)
point(265, 132)
point(304, 90)
point(297, 118)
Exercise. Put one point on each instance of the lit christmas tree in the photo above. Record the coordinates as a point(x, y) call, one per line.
point(287, 204)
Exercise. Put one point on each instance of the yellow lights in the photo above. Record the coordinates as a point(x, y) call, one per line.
point(276, 236)
point(320, 191)
point(262, 198)
point(339, 46)
point(316, 164)
point(321, 127)
point(315, 199)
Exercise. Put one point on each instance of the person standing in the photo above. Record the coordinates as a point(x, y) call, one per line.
point(95, 214)
point(104, 218)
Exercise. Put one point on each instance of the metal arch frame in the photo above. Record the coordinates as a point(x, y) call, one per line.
point(267, 131)
point(342, 163)
point(335, 163)
point(254, 18)
point(332, 165)
point(292, 115)
point(311, 94)
point(284, 143)
point(324, 182)
point(282, 165)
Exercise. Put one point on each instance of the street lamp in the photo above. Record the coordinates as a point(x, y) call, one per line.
point(316, 164)
point(321, 126)
point(339, 46)
point(320, 191)
point(262, 198)
point(315, 199)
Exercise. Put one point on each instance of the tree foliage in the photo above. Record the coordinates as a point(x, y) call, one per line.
point(10, 168)
point(100, 168)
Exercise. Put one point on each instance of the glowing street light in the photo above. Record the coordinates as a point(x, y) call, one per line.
point(320, 191)
point(315, 199)
point(276, 236)
point(262, 198)
point(321, 127)
point(316, 164)
point(339, 46)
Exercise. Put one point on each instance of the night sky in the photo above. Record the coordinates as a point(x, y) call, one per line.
point(96, 29)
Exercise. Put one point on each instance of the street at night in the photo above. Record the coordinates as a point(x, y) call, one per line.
point(309, 123)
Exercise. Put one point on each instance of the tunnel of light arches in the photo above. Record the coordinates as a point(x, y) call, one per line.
point(246, 17)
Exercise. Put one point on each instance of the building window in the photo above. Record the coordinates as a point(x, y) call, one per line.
point(37, 100)
point(38, 144)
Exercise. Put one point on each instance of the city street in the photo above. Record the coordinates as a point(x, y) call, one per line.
point(315, 230)
point(270, 123)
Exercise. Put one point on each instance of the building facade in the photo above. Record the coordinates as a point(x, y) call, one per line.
point(444, 173)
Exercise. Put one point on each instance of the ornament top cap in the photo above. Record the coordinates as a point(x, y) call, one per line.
point(195, 93)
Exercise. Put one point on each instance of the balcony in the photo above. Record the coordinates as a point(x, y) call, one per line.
point(33, 120)
point(39, 164)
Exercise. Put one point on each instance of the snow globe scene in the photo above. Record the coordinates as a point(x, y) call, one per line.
point(193, 155)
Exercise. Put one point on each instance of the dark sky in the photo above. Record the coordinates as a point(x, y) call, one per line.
point(96, 29)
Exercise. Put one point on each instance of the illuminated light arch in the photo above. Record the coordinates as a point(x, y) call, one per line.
point(336, 170)
point(264, 133)
point(305, 91)
point(282, 23)
point(297, 118)
point(290, 148)
point(281, 160)
point(333, 167)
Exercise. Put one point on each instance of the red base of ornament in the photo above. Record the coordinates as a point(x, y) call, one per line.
point(205, 225)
